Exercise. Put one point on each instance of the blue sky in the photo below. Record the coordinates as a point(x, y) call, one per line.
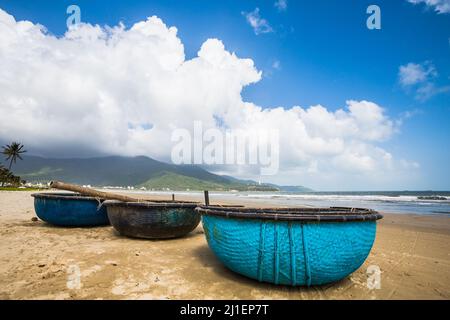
point(316, 52)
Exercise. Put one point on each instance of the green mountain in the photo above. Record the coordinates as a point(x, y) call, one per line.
point(175, 181)
point(130, 171)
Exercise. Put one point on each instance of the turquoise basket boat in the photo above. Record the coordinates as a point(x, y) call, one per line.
point(70, 209)
point(291, 246)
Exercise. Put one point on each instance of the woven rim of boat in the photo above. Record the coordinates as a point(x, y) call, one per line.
point(64, 196)
point(152, 204)
point(332, 214)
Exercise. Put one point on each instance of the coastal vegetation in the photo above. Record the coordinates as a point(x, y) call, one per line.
point(21, 189)
point(8, 178)
point(12, 152)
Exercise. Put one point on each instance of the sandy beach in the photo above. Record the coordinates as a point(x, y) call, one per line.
point(38, 260)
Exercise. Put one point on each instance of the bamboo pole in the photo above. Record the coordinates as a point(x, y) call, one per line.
point(206, 193)
point(93, 193)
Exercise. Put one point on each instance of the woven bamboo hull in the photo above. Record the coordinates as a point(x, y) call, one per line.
point(289, 252)
point(152, 222)
point(69, 210)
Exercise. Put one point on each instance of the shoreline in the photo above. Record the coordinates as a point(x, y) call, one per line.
point(411, 251)
point(405, 204)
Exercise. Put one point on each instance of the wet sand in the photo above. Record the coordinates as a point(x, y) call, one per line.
point(39, 261)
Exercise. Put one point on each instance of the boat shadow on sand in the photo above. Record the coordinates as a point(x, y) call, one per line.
point(190, 235)
point(42, 224)
point(113, 233)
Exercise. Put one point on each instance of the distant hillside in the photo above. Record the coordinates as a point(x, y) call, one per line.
point(175, 181)
point(130, 171)
point(297, 189)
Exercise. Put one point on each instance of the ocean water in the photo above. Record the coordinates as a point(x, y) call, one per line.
point(383, 201)
point(388, 201)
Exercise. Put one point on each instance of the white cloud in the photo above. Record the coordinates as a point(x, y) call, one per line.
point(440, 6)
point(428, 90)
point(414, 73)
point(409, 164)
point(407, 115)
point(123, 91)
point(281, 5)
point(420, 78)
point(276, 65)
point(258, 24)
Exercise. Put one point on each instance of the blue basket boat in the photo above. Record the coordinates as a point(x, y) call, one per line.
point(70, 209)
point(291, 246)
point(153, 220)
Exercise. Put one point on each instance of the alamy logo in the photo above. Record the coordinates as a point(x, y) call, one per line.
point(75, 16)
point(374, 277)
point(374, 20)
point(229, 147)
point(73, 277)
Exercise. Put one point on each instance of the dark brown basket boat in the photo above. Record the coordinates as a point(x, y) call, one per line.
point(153, 220)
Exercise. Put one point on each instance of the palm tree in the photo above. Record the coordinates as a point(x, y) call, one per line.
point(7, 176)
point(3, 171)
point(12, 152)
point(4, 175)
